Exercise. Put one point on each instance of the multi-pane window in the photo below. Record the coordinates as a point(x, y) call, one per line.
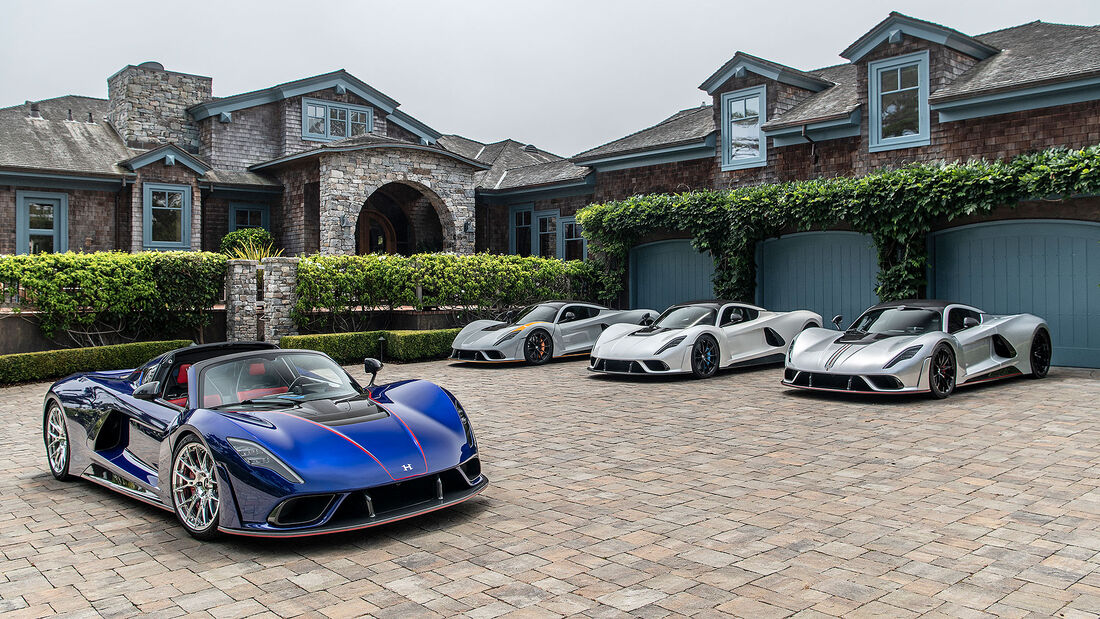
point(521, 232)
point(328, 120)
point(743, 113)
point(167, 216)
point(573, 241)
point(898, 93)
point(548, 236)
point(41, 223)
point(247, 216)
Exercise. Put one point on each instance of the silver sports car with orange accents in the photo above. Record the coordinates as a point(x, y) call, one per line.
point(919, 346)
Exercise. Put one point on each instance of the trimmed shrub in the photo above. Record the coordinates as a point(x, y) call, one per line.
point(351, 348)
point(103, 297)
point(50, 364)
point(255, 237)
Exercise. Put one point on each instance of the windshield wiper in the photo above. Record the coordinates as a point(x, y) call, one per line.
point(254, 402)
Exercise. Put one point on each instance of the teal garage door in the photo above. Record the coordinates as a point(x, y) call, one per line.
point(828, 272)
point(669, 272)
point(1046, 267)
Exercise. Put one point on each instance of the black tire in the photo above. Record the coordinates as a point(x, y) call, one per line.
point(705, 357)
point(538, 348)
point(191, 445)
point(1040, 353)
point(942, 372)
point(55, 435)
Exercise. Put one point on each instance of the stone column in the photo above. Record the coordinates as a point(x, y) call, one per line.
point(280, 295)
point(240, 301)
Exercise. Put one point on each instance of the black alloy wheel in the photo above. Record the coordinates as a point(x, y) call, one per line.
point(941, 373)
point(1041, 351)
point(704, 357)
point(538, 348)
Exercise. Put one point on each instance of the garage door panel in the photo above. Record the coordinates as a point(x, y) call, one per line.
point(826, 272)
point(1049, 268)
point(669, 272)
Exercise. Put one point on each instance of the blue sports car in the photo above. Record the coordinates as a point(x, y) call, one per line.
point(249, 439)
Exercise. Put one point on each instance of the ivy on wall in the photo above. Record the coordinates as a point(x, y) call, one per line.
point(897, 207)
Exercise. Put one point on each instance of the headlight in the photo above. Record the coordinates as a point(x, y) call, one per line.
point(257, 456)
point(669, 344)
point(466, 426)
point(908, 353)
point(507, 336)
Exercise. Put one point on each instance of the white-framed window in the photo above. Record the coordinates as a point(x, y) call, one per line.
point(743, 141)
point(166, 216)
point(248, 215)
point(898, 102)
point(41, 222)
point(329, 120)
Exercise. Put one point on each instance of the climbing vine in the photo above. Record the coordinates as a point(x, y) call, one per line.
point(896, 207)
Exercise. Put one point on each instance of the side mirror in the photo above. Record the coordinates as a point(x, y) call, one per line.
point(970, 321)
point(839, 318)
point(372, 366)
point(508, 316)
point(148, 391)
point(568, 317)
point(647, 319)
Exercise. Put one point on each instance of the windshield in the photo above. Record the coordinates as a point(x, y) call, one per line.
point(536, 313)
point(684, 317)
point(898, 321)
point(270, 381)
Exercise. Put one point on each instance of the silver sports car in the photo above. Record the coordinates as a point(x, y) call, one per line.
point(541, 332)
point(919, 346)
point(700, 338)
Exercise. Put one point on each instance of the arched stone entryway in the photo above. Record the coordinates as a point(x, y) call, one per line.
point(399, 218)
point(420, 177)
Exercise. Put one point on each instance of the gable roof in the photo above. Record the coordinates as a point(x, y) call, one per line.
point(766, 68)
point(500, 157)
point(897, 23)
point(170, 154)
point(57, 144)
point(548, 173)
point(686, 127)
point(838, 101)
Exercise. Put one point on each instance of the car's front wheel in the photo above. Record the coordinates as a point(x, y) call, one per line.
point(1040, 354)
point(55, 433)
point(538, 348)
point(704, 357)
point(941, 372)
point(194, 485)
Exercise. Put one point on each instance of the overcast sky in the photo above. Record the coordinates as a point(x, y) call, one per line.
point(565, 75)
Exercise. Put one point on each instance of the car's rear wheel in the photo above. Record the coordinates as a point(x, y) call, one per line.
point(704, 357)
point(1041, 351)
point(194, 485)
point(941, 372)
point(55, 433)
point(538, 348)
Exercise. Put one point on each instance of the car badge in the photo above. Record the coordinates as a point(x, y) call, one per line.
point(407, 467)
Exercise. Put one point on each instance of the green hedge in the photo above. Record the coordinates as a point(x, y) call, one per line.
point(99, 298)
point(348, 288)
point(897, 207)
point(348, 348)
point(36, 366)
point(257, 237)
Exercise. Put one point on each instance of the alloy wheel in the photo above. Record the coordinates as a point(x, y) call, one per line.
point(704, 357)
point(1040, 354)
point(57, 442)
point(942, 373)
point(195, 487)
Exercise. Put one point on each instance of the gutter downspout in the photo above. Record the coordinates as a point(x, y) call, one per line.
point(118, 224)
point(813, 144)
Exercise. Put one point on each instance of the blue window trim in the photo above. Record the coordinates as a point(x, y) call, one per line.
point(22, 220)
point(562, 221)
point(874, 117)
point(147, 242)
point(325, 137)
point(512, 210)
point(265, 213)
point(737, 95)
point(547, 214)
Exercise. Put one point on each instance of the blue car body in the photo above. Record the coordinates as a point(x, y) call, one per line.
point(393, 451)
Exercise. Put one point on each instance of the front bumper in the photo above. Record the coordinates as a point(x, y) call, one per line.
point(318, 514)
point(905, 381)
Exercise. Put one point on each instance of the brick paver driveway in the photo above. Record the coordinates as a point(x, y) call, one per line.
point(614, 497)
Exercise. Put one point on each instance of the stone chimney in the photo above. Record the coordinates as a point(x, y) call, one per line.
point(147, 105)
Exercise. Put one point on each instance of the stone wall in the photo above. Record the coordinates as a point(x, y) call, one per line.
point(148, 106)
point(240, 301)
point(349, 178)
point(280, 285)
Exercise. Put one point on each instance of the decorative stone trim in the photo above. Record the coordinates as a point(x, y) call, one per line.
point(240, 301)
point(280, 295)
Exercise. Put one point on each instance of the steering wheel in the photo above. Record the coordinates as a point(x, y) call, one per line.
point(294, 383)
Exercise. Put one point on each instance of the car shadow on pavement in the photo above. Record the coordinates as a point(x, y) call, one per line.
point(686, 377)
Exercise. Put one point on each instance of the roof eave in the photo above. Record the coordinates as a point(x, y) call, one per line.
point(758, 66)
point(898, 23)
point(708, 140)
point(343, 149)
point(1007, 100)
point(293, 89)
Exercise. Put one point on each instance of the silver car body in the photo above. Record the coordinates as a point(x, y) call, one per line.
point(997, 347)
point(493, 341)
point(761, 336)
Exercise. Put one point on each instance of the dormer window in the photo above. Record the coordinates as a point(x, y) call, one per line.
point(327, 120)
point(898, 93)
point(743, 143)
